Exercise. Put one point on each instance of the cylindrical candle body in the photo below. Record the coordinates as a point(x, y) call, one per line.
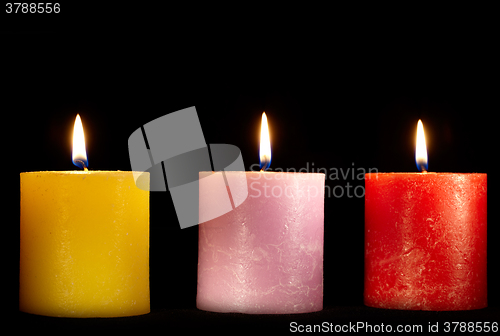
point(265, 256)
point(84, 244)
point(425, 241)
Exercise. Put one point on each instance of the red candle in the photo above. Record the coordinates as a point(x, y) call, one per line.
point(425, 240)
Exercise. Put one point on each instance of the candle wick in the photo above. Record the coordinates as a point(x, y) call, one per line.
point(422, 167)
point(83, 165)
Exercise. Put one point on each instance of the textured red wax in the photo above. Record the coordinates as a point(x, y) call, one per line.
point(425, 241)
point(265, 256)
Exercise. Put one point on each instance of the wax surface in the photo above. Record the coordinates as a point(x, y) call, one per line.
point(84, 244)
point(266, 256)
point(425, 241)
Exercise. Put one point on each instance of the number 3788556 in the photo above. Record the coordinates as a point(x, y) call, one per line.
point(32, 7)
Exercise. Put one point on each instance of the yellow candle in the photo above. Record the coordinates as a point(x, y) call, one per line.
point(84, 244)
point(84, 241)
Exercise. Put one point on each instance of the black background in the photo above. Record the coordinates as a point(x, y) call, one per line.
point(342, 88)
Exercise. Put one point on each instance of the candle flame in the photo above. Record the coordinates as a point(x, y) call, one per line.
point(265, 144)
point(421, 150)
point(79, 152)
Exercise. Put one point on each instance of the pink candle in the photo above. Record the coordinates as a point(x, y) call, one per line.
point(266, 255)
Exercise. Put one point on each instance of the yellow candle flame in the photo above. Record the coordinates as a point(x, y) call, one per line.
point(79, 152)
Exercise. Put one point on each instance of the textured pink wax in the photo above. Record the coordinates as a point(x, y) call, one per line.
point(265, 256)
